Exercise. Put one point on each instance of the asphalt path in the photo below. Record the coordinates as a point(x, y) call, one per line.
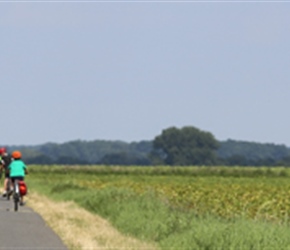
point(25, 229)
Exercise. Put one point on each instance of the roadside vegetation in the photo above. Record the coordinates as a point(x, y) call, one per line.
point(178, 207)
point(81, 230)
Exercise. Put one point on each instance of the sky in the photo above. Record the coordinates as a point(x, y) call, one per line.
point(127, 70)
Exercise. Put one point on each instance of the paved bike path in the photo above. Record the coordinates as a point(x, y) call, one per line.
point(25, 229)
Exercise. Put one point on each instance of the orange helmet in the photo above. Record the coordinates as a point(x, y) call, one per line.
point(16, 155)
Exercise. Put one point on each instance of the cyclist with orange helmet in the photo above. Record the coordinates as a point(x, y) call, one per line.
point(5, 161)
point(17, 170)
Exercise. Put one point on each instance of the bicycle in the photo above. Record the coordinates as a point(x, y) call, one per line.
point(19, 190)
point(16, 194)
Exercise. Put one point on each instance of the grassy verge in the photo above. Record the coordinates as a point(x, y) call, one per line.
point(80, 229)
point(153, 218)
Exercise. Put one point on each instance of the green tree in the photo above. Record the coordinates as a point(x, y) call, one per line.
point(124, 158)
point(185, 146)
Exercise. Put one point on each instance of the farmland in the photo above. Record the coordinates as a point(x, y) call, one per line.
point(180, 207)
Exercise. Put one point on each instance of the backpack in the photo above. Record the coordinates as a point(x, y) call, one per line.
point(22, 188)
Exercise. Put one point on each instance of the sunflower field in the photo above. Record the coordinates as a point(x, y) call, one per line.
point(178, 200)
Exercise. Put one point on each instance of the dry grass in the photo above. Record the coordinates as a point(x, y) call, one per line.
point(80, 229)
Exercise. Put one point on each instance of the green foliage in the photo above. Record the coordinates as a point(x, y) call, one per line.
point(250, 153)
point(186, 146)
point(87, 152)
point(124, 159)
point(177, 171)
point(140, 205)
point(210, 233)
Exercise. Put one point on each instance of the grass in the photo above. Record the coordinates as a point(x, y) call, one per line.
point(154, 218)
point(196, 171)
point(80, 229)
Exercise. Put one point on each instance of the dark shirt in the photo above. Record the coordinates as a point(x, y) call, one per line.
point(6, 160)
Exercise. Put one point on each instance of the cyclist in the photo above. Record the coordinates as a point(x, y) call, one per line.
point(17, 170)
point(5, 161)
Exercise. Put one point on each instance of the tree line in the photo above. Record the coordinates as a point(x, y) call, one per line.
point(174, 146)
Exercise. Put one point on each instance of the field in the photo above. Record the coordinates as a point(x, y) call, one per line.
point(180, 207)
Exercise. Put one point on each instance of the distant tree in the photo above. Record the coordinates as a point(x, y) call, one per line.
point(185, 146)
point(66, 160)
point(124, 159)
point(236, 160)
point(40, 159)
point(284, 162)
point(252, 153)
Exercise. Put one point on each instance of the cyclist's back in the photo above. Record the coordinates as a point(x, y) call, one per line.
point(5, 162)
point(17, 170)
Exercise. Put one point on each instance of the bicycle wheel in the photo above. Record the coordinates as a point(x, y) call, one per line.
point(16, 196)
point(8, 189)
point(15, 205)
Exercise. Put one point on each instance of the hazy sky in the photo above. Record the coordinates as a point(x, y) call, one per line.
point(126, 70)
